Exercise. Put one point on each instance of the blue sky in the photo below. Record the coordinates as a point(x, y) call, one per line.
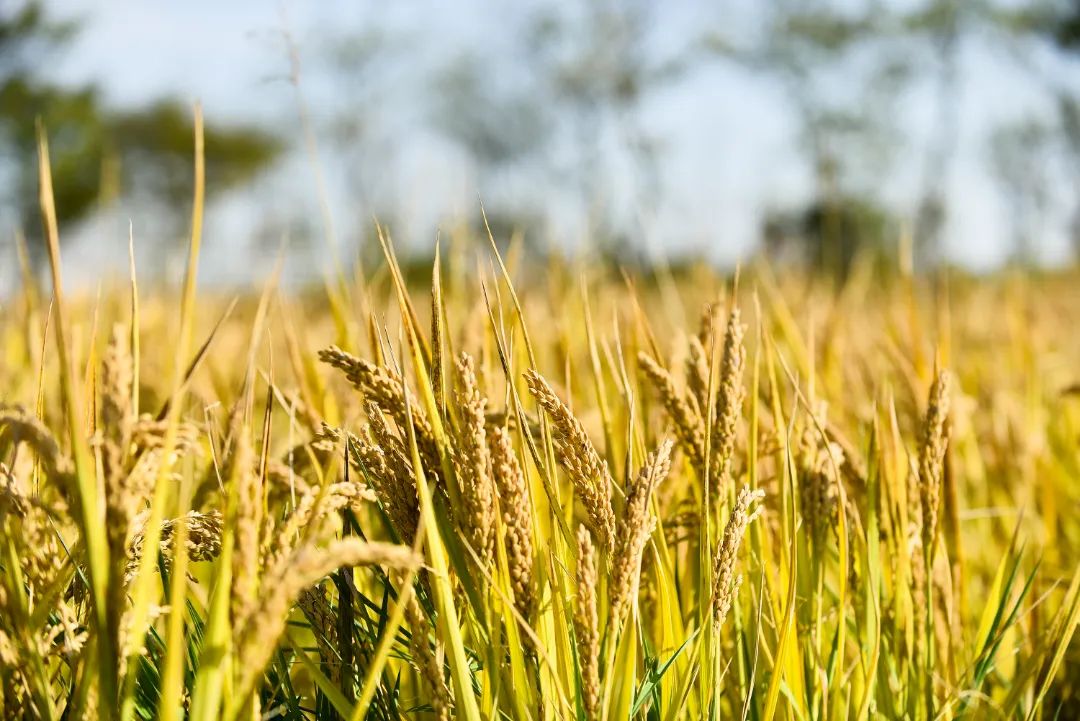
point(731, 147)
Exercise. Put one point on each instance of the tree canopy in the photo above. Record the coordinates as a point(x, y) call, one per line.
point(100, 152)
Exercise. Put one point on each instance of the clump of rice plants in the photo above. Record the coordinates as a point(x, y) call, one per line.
point(575, 496)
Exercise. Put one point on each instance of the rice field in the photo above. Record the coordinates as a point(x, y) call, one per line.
point(527, 488)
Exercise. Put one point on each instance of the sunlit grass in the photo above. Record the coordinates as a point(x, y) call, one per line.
point(869, 510)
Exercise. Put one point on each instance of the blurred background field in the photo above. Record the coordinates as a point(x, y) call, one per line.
point(803, 129)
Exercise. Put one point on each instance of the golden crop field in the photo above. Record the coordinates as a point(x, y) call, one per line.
point(529, 489)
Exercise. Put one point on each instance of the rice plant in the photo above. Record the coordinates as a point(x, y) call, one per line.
point(566, 494)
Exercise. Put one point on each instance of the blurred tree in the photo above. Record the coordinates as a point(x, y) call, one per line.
point(848, 130)
point(1020, 155)
point(1063, 27)
point(941, 24)
point(829, 238)
point(597, 73)
point(1021, 152)
point(576, 81)
point(97, 152)
point(1070, 122)
point(571, 104)
point(1068, 26)
point(503, 124)
point(358, 134)
point(496, 125)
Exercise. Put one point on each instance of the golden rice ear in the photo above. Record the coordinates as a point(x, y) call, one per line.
point(820, 461)
point(288, 576)
point(587, 624)
point(385, 388)
point(377, 456)
point(248, 531)
point(127, 485)
point(933, 444)
point(725, 582)
point(426, 657)
point(18, 427)
point(688, 422)
point(710, 314)
point(577, 455)
point(316, 609)
point(202, 534)
point(729, 401)
point(636, 527)
point(516, 508)
point(697, 375)
point(473, 464)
